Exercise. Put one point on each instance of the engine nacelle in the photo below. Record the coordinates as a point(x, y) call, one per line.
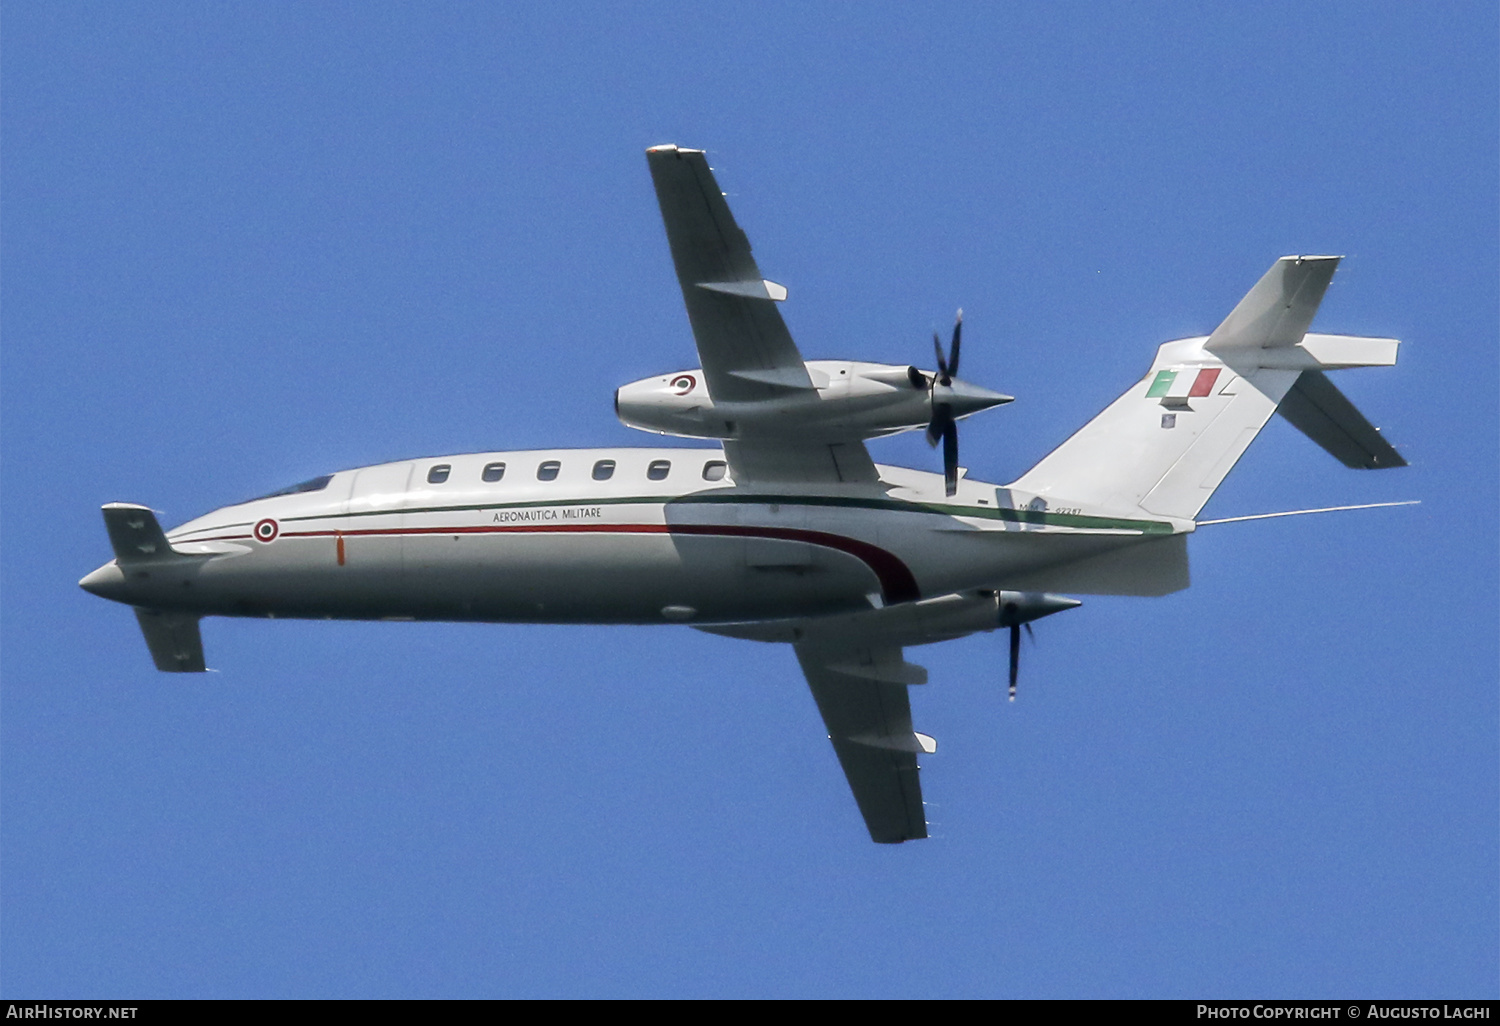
point(910, 623)
point(849, 399)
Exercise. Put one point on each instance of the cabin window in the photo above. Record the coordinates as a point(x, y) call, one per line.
point(439, 473)
point(714, 470)
point(659, 469)
point(548, 471)
point(493, 471)
point(604, 470)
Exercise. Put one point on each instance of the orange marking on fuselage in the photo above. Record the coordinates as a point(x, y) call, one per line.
point(340, 536)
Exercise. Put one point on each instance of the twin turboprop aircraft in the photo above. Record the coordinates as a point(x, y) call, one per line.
point(791, 534)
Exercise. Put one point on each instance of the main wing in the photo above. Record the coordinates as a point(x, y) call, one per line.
point(855, 666)
point(865, 707)
point(747, 354)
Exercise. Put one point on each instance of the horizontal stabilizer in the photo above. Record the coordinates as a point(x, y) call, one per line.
point(174, 639)
point(134, 533)
point(1320, 411)
point(1320, 352)
point(1334, 352)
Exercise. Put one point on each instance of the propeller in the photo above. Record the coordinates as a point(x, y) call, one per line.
point(944, 424)
point(1015, 653)
point(1017, 609)
point(950, 399)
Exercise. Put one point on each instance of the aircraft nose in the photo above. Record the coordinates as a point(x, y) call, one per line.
point(106, 582)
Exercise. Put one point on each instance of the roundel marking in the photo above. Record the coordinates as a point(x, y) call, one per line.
point(682, 384)
point(266, 530)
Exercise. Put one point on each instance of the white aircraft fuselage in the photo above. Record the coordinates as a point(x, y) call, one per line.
point(411, 541)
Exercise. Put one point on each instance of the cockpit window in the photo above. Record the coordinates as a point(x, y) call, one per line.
point(316, 484)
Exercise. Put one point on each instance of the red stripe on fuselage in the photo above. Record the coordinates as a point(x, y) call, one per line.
point(897, 584)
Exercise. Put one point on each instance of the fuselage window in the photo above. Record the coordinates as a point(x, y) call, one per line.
point(658, 470)
point(439, 473)
point(548, 471)
point(713, 470)
point(494, 471)
point(604, 470)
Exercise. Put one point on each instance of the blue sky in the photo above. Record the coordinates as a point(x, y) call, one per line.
point(245, 244)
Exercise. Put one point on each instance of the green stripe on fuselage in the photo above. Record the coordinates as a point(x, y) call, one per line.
point(1080, 521)
point(1014, 516)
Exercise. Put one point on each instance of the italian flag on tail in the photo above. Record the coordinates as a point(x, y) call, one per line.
point(1183, 383)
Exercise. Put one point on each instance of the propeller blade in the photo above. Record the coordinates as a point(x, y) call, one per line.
point(958, 327)
point(950, 455)
point(944, 425)
point(942, 419)
point(1015, 657)
point(937, 347)
point(916, 377)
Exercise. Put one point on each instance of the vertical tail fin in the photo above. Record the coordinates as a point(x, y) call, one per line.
point(1167, 443)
